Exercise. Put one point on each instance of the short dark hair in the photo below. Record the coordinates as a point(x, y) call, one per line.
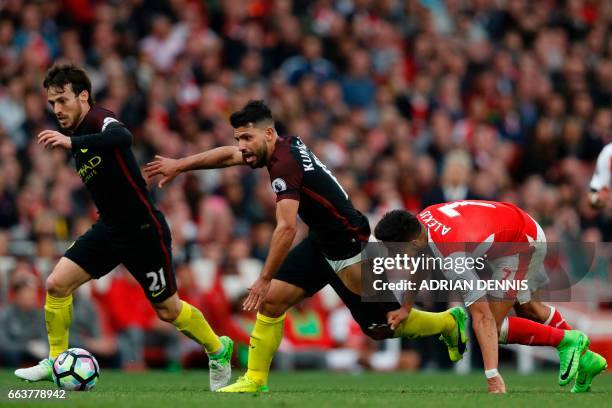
point(253, 112)
point(61, 75)
point(397, 226)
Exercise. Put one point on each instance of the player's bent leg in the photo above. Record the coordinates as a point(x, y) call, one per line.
point(351, 277)
point(373, 317)
point(591, 364)
point(66, 277)
point(570, 344)
point(191, 322)
point(450, 325)
point(266, 336)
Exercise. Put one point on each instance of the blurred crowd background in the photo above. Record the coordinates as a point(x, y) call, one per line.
point(409, 103)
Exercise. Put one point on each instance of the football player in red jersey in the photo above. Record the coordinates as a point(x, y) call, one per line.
point(332, 253)
point(514, 247)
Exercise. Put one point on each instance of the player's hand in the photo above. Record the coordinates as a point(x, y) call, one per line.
point(52, 138)
point(396, 317)
point(496, 385)
point(164, 166)
point(257, 293)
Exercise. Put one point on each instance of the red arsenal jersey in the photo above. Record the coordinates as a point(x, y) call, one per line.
point(475, 225)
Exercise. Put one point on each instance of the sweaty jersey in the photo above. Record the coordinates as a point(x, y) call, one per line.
point(476, 226)
point(601, 177)
point(296, 173)
point(101, 147)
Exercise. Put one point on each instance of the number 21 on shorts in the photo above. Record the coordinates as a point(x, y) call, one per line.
point(158, 282)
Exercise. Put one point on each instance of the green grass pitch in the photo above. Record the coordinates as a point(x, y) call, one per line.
point(320, 390)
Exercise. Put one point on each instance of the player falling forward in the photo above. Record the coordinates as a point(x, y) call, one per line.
point(130, 230)
point(515, 247)
point(330, 254)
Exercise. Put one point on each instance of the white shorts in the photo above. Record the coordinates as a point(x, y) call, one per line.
point(506, 268)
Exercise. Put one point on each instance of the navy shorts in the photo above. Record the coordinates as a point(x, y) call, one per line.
point(145, 252)
point(306, 267)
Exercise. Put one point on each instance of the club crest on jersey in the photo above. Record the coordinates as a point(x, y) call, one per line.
point(279, 185)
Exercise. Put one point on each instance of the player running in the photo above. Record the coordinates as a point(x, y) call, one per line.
point(600, 183)
point(330, 254)
point(515, 247)
point(130, 230)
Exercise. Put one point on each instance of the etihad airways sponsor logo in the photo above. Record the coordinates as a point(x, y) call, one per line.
point(88, 170)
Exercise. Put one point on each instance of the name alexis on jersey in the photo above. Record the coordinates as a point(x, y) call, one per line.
point(430, 222)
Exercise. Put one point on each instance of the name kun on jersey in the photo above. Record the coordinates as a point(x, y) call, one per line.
point(306, 160)
point(432, 223)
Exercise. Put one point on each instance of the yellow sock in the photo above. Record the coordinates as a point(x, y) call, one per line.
point(265, 339)
point(422, 324)
point(191, 323)
point(58, 316)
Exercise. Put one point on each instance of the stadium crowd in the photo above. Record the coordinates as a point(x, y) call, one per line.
point(410, 103)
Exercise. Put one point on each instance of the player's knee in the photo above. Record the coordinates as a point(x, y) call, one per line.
point(533, 311)
point(167, 314)
point(526, 312)
point(56, 288)
point(378, 332)
point(273, 308)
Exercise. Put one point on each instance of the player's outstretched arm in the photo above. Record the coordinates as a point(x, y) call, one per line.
point(282, 238)
point(220, 157)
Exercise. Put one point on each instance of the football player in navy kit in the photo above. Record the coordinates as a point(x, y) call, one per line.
point(330, 254)
point(130, 229)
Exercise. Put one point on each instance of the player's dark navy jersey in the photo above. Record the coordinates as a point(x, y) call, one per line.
point(105, 162)
point(296, 173)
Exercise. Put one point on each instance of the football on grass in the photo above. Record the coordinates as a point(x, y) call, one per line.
point(76, 369)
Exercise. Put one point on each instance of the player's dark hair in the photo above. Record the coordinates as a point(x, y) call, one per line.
point(252, 112)
point(397, 226)
point(61, 75)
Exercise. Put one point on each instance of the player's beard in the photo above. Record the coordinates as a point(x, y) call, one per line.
point(261, 154)
point(72, 119)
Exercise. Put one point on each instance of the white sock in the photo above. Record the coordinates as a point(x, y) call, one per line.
point(550, 316)
point(503, 331)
